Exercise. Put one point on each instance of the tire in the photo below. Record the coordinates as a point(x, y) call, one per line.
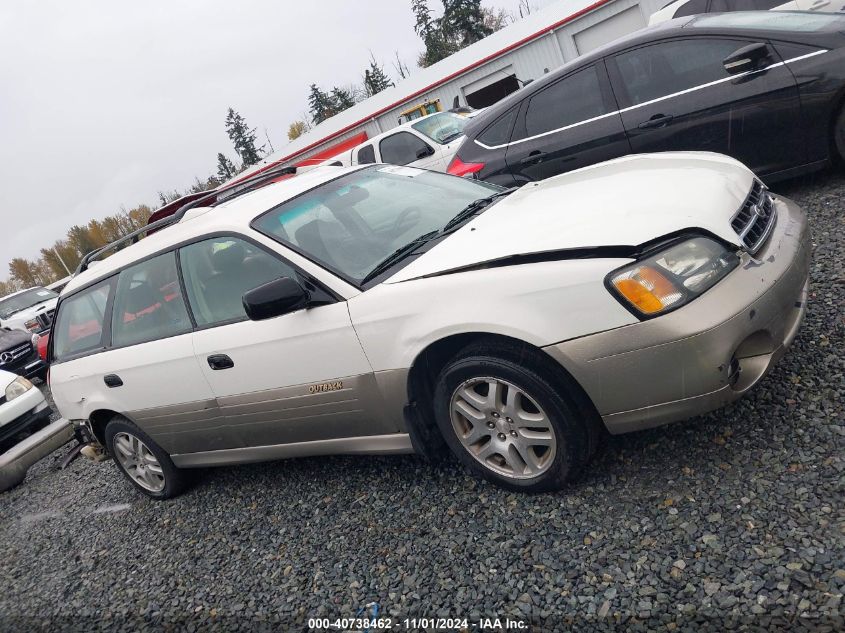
point(533, 439)
point(143, 462)
point(839, 136)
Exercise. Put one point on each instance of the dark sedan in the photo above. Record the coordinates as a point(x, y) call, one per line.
point(767, 88)
point(19, 355)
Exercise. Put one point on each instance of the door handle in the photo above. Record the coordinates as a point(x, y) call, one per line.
point(534, 158)
point(658, 120)
point(220, 361)
point(112, 381)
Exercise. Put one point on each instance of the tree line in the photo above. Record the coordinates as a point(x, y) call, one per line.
point(463, 22)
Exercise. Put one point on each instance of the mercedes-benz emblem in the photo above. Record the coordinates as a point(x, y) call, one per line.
point(6, 357)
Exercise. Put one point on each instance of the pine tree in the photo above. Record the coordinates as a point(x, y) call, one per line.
point(463, 22)
point(375, 79)
point(243, 138)
point(225, 168)
point(320, 105)
point(341, 100)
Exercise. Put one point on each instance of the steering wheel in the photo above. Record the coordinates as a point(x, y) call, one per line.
point(406, 219)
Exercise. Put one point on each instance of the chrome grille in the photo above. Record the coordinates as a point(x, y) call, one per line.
point(756, 218)
point(45, 319)
point(10, 356)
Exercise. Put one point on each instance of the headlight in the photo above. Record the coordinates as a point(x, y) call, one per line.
point(673, 277)
point(18, 387)
point(32, 325)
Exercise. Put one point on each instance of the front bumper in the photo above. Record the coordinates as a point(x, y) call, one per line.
point(20, 422)
point(708, 353)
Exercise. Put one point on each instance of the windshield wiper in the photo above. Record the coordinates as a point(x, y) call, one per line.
point(398, 254)
point(474, 207)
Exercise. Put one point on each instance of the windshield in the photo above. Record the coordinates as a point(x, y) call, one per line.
point(769, 21)
point(441, 128)
point(352, 223)
point(24, 300)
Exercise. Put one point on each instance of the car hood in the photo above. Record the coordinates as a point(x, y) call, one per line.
point(624, 202)
point(13, 338)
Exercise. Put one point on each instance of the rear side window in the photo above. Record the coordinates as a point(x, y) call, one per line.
point(403, 148)
point(669, 67)
point(499, 132)
point(79, 324)
point(148, 303)
point(571, 100)
point(219, 271)
point(366, 155)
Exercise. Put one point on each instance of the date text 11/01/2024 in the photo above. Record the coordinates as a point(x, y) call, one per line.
point(414, 624)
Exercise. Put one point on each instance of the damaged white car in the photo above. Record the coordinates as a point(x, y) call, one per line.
point(383, 309)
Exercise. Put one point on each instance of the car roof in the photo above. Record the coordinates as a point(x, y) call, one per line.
point(664, 30)
point(237, 212)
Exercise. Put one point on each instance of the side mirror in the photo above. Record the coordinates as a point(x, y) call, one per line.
point(275, 298)
point(751, 57)
point(425, 152)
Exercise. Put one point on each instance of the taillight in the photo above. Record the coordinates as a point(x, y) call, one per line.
point(459, 168)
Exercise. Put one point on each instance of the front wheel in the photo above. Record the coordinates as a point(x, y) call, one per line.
point(506, 420)
point(143, 462)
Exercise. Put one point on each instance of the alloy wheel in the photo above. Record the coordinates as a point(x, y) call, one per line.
point(138, 462)
point(502, 427)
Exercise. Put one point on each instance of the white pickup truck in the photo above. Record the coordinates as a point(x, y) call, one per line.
point(29, 310)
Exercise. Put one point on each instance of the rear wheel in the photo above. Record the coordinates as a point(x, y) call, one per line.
point(143, 462)
point(506, 419)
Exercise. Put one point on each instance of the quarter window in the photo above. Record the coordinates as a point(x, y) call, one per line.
point(79, 325)
point(499, 132)
point(571, 100)
point(366, 155)
point(219, 271)
point(403, 148)
point(663, 69)
point(148, 303)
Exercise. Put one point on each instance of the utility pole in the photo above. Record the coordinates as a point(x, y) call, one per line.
point(56, 251)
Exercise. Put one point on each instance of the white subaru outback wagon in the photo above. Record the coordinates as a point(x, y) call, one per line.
point(382, 309)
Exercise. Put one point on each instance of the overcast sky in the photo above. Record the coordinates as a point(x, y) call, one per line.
point(104, 103)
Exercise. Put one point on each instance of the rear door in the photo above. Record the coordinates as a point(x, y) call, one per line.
point(142, 362)
point(677, 95)
point(568, 124)
point(298, 377)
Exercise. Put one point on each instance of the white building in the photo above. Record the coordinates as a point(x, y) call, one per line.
point(478, 75)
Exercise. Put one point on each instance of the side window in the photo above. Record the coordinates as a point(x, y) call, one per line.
point(571, 100)
point(148, 303)
point(499, 132)
point(79, 324)
point(743, 5)
point(693, 7)
point(403, 148)
point(217, 273)
point(669, 67)
point(366, 155)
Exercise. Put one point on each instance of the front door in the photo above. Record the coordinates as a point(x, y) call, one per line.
point(295, 378)
point(569, 124)
point(406, 148)
point(677, 95)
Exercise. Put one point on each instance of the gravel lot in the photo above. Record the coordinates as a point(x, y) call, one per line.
point(731, 520)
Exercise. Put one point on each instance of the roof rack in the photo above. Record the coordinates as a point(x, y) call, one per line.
point(216, 196)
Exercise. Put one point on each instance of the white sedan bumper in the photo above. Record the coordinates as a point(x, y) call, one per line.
point(22, 412)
